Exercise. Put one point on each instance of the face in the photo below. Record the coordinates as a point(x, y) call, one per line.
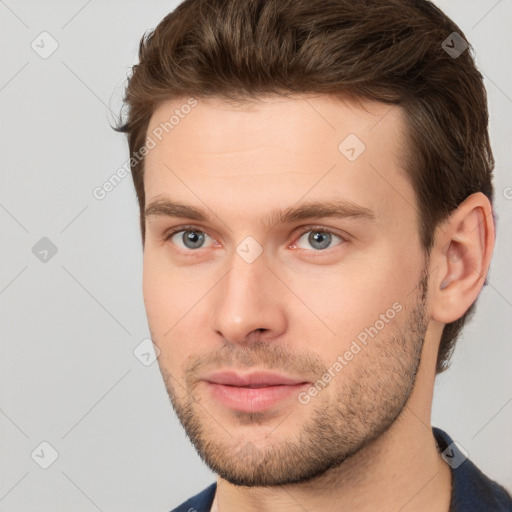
point(284, 280)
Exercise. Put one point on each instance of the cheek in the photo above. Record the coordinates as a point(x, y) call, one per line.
point(168, 291)
point(155, 286)
point(356, 310)
point(341, 304)
point(164, 300)
point(172, 305)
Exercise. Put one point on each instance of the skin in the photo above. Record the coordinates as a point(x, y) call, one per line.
point(364, 442)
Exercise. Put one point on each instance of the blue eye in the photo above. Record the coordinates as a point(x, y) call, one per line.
point(190, 239)
point(318, 239)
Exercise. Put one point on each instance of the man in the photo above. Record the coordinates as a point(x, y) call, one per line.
point(314, 182)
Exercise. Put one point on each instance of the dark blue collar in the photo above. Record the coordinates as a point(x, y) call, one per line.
point(471, 489)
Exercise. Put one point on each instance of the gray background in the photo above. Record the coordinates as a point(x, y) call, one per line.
point(69, 325)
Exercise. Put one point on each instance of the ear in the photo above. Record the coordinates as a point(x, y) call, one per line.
point(460, 258)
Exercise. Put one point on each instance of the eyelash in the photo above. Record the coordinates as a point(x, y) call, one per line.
point(307, 229)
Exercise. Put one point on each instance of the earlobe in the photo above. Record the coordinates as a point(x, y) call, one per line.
point(460, 258)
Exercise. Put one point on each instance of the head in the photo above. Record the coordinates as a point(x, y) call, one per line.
point(313, 179)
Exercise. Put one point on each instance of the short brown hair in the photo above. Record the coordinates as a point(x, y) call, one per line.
point(390, 51)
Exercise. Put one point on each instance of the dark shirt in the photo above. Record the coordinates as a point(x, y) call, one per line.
point(472, 491)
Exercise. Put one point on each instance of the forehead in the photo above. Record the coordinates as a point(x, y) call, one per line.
point(276, 150)
point(228, 125)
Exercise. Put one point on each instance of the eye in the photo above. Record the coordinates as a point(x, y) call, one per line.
point(318, 239)
point(188, 238)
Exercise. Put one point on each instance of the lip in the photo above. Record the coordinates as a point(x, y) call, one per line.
point(253, 392)
point(254, 379)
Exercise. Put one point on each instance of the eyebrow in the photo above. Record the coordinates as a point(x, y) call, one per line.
point(307, 210)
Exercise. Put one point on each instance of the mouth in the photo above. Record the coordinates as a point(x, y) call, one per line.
point(254, 392)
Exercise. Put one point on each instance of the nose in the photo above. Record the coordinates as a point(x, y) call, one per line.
point(249, 303)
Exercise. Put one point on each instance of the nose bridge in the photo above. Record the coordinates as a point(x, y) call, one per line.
point(246, 285)
point(247, 299)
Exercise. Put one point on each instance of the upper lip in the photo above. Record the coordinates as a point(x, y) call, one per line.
point(255, 379)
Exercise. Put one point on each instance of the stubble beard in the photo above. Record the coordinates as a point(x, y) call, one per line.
point(365, 407)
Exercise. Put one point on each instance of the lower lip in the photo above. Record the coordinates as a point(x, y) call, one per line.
point(253, 399)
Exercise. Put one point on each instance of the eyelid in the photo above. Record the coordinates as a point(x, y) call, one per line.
point(176, 229)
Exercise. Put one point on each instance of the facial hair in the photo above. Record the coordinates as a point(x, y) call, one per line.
point(366, 405)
